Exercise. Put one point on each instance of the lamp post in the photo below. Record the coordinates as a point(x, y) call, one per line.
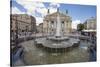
point(26, 31)
point(16, 31)
point(11, 31)
point(42, 30)
point(47, 28)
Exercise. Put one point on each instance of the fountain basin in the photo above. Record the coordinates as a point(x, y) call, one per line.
point(53, 43)
point(58, 38)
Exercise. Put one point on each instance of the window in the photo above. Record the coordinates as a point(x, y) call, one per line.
point(62, 24)
point(52, 24)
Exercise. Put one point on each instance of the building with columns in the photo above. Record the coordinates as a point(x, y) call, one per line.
point(90, 24)
point(50, 23)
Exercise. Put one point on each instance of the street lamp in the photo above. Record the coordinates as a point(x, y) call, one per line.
point(16, 31)
point(26, 31)
point(42, 30)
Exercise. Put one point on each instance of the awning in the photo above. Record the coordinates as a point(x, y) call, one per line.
point(89, 30)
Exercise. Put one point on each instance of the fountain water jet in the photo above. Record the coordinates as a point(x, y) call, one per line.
point(58, 29)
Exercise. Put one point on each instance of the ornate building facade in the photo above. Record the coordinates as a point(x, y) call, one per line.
point(22, 22)
point(50, 23)
point(90, 24)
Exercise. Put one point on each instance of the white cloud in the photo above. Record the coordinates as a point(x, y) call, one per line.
point(39, 20)
point(52, 10)
point(54, 5)
point(42, 11)
point(15, 10)
point(34, 6)
point(74, 23)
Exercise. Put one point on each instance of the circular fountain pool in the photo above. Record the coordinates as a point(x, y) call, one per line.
point(57, 43)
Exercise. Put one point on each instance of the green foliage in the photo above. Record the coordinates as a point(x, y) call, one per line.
point(80, 27)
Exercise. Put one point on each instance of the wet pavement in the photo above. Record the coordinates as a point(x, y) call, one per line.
point(17, 58)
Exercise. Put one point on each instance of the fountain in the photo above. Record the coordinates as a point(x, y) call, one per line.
point(57, 41)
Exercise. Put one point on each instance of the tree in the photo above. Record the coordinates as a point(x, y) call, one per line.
point(80, 27)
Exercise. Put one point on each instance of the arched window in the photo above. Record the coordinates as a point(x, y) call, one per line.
point(62, 25)
point(52, 24)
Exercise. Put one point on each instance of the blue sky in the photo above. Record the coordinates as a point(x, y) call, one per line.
point(79, 13)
